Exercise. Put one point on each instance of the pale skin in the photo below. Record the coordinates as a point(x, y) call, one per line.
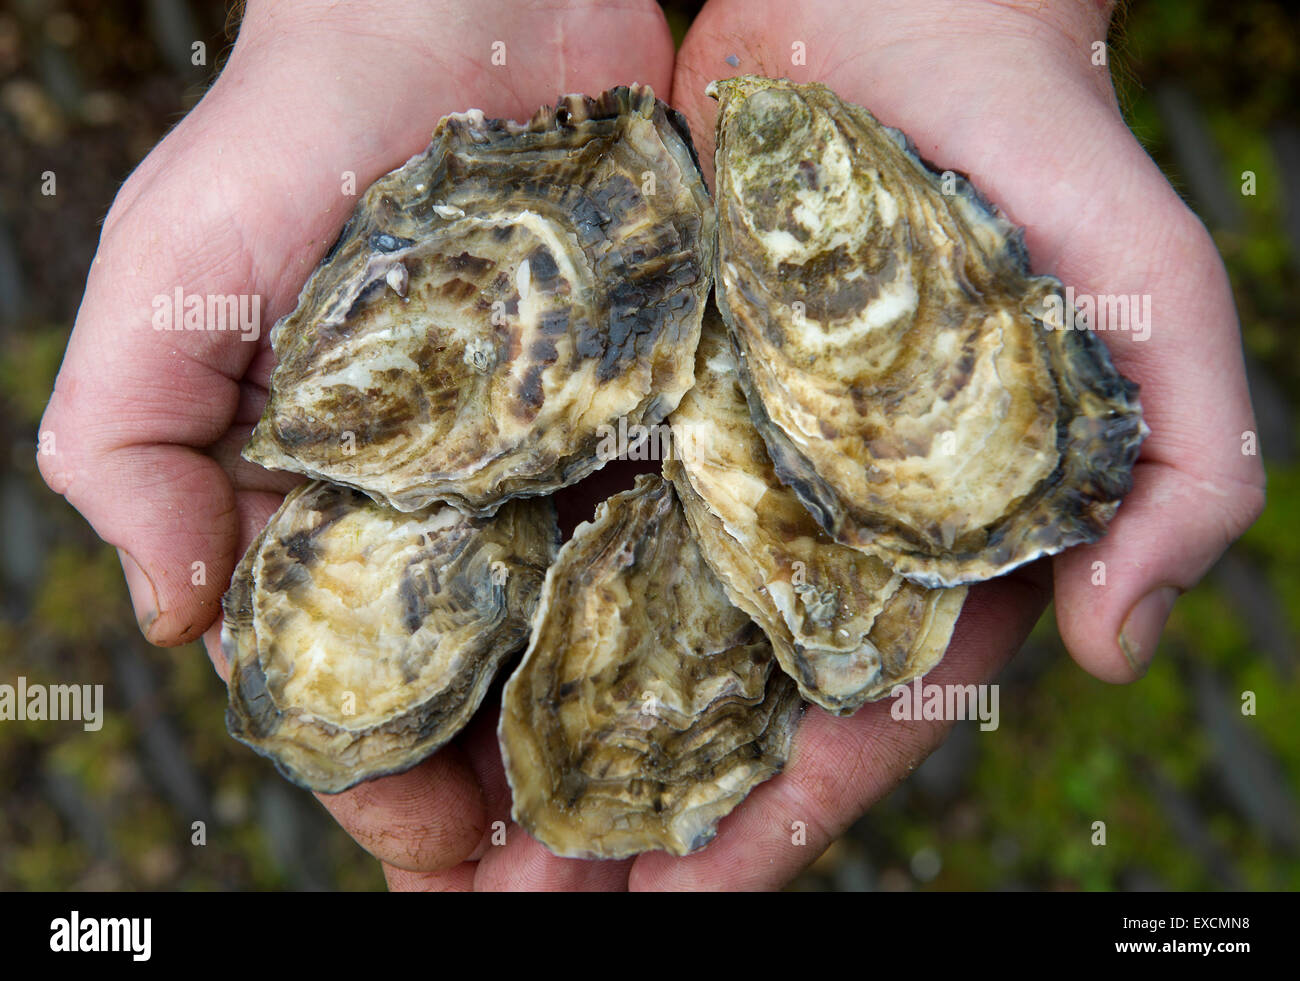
point(244, 196)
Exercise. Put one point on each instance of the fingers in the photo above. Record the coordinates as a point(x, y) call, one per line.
point(134, 404)
point(505, 857)
point(1113, 598)
point(457, 879)
point(508, 859)
point(1199, 482)
point(522, 864)
point(428, 819)
point(249, 476)
point(841, 766)
point(171, 513)
point(535, 870)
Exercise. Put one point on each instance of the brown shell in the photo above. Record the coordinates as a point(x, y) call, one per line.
point(894, 350)
point(361, 639)
point(495, 302)
point(844, 626)
point(647, 706)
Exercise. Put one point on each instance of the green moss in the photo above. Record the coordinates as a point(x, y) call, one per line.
point(29, 363)
point(81, 593)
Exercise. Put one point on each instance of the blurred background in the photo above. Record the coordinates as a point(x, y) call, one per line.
point(1195, 795)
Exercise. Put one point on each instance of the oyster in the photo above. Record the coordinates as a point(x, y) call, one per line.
point(361, 639)
point(844, 626)
point(493, 303)
point(647, 706)
point(894, 348)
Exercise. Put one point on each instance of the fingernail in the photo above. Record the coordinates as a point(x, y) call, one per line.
point(1141, 631)
point(144, 598)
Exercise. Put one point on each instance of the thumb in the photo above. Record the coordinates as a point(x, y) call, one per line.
point(133, 405)
point(1197, 486)
point(169, 510)
point(1113, 598)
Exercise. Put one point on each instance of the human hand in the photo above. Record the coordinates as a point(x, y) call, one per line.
point(243, 197)
point(158, 497)
point(1008, 93)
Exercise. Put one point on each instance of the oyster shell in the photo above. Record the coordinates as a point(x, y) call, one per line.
point(493, 303)
point(361, 639)
point(844, 626)
point(893, 347)
point(647, 706)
